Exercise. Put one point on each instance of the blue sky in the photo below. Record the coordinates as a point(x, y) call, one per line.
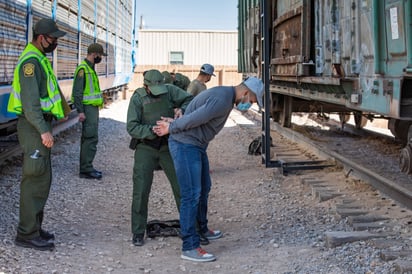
point(188, 14)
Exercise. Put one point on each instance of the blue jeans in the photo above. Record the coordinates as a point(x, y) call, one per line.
point(192, 170)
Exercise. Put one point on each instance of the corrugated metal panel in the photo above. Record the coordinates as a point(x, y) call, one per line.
point(248, 26)
point(111, 53)
point(72, 4)
point(112, 18)
point(284, 6)
point(217, 48)
point(72, 48)
point(41, 9)
point(68, 45)
point(124, 25)
point(120, 26)
point(88, 10)
point(102, 10)
point(12, 36)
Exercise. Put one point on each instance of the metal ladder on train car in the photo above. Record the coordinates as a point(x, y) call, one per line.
point(286, 166)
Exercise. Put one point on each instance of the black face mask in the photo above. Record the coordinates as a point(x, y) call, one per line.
point(50, 48)
point(97, 59)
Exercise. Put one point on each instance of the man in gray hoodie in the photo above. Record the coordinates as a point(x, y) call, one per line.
point(189, 137)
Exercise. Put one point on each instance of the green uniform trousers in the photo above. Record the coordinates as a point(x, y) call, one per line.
point(36, 180)
point(146, 160)
point(89, 139)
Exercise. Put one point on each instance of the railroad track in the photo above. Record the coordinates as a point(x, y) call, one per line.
point(397, 191)
point(349, 189)
point(9, 145)
point(385, 177)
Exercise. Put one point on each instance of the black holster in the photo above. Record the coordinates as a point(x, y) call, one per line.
point(157, 143)
point(133, 143)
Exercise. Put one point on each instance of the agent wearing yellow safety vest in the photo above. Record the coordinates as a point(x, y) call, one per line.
point(37, 100)
point(87, 98)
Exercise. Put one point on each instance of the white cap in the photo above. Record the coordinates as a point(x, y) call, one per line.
point(255, 85)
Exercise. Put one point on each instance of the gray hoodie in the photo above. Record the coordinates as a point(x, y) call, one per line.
point(204, 117)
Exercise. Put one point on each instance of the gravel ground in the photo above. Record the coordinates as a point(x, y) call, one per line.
point(271, 223)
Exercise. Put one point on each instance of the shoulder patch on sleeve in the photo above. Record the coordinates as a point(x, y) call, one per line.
point(80, 73)
point(28, 70)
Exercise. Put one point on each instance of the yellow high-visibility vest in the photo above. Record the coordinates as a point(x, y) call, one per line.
point(51, 104)
point(92, 94)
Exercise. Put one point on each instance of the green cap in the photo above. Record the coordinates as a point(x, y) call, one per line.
point(96, 48)
point(155, 81)
point(181, 81)
point(168, 77)
point(49, 27)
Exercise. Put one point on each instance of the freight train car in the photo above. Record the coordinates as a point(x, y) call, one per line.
point(333, 56)
point(108, 22)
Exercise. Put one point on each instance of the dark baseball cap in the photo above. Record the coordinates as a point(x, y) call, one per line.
point(168, 77)
point(96, 48)
point(49, 27)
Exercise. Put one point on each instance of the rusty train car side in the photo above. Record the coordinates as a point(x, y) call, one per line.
point(109, 22)
point(334, 56)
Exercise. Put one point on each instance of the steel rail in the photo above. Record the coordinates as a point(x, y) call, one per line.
point(387, 187)
point(14, 149)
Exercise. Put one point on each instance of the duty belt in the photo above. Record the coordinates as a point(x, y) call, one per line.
point(48, 117)
point(156, 143)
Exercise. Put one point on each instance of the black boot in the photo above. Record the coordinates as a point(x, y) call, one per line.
point(38, 243)
point(138, 239)
point(46, 235)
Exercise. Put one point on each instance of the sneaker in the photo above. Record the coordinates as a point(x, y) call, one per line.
point(213, 234)
point(197, 255)
point(203, 240)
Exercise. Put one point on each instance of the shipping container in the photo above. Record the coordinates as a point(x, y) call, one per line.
point(333, 56)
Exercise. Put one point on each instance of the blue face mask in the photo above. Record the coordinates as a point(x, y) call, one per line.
point(243, 106)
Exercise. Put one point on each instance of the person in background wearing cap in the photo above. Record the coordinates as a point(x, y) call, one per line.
point(34, 87)
point(147, 104)
point(199, 84)
point(88, 99)
point(168, 77)
point(189, 138)
point(180, 80)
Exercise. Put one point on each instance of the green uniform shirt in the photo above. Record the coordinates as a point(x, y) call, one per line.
point(33, 83)
point(137, 126)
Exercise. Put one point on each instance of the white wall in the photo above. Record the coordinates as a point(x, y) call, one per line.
point(214, 47)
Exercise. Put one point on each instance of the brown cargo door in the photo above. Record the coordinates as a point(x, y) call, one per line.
point(291, 37)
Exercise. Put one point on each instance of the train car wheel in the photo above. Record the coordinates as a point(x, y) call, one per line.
point(276, 116)
point(282, 110)
point(399, 129)
point(286, 114)
point(344, 117)
point(360, 120)
point(405, 160)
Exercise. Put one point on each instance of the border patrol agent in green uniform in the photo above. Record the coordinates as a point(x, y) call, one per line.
point(37, 100)
point(87, 98)
point(182, 81)
point(168, 77)
point(146, 106)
